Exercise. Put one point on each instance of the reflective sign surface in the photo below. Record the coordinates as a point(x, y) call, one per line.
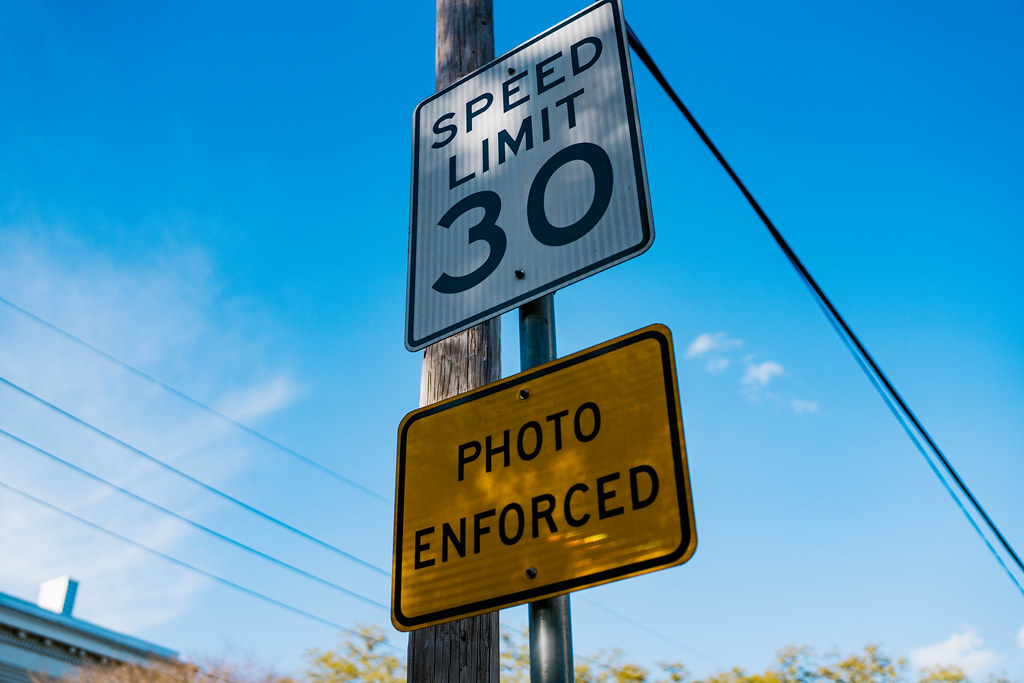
point(565, 476)
point(527, 175)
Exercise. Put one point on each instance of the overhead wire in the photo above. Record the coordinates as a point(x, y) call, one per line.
point(190, 522)
point(879, 379)
point(645, 627)
point(334, 474)
point(893, 399)
point(511, 636)
point(210, 410)
point(914, 439)
point(266, 556)
point(207, 487)
point(208, 530)
point(864, 359)
point(191, 567)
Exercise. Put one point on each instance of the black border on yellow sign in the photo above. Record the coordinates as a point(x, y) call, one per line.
point(683, 552)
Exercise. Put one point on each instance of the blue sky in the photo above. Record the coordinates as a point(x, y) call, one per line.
point(218, 195)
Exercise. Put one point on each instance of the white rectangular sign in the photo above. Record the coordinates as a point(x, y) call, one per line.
point(528, 175)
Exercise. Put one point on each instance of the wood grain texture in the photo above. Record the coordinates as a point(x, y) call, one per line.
point(466, 650)
point(465, 38)
point(461, 362)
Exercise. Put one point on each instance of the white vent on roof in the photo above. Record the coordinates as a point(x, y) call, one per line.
point(58, 595)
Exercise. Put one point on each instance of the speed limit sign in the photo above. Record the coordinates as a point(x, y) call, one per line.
point(527, 175)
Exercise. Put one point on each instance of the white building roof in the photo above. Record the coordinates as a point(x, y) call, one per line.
point(37, 639)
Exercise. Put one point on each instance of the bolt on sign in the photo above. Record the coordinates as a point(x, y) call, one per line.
point(568, 475)
point(527, 175)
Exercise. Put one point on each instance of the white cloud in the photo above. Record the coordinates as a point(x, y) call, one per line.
point(717, 365)
point(255, 402)
point(715, 349)
point(800, 407)
point(963, 649)
point(717, 342)
point(1020, 638)
point(165, 316)
point(121, 586)
point(760, 374)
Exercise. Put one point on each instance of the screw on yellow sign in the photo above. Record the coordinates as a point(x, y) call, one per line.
point(565, 476)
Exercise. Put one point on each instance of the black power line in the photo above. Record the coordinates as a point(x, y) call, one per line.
point(271, 558)
point(196, 402)
point(245, 428)
point(194, 480)
point(186, 565)
point(192, 523)
point(645, 627)
point(878, 378)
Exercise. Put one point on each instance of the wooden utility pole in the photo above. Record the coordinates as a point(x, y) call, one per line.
point(466, 650)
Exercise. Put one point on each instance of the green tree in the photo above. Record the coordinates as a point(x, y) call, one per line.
point(164, 671)
point(366, 657)
point(804, 665)
point(363, 660)
point(943, 674)
point(605, 667)
point(515, 658)
point(363, 657)
point(872, 665)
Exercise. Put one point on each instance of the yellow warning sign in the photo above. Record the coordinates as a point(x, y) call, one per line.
point(565, 476)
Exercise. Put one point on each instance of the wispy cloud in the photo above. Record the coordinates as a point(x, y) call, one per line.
point(121, 586)
point(1020, 638)
point(707, 342)
point(156, 314)
point(800, 407)
point(713, 349)
point(719, 352)
point(252, 403)
point(758, 375)
point(963, 649)
point(718, 365)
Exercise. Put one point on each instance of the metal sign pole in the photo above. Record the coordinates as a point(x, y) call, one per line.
point(550, 622)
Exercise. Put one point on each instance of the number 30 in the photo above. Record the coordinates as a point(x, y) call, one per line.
point(488, 230)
